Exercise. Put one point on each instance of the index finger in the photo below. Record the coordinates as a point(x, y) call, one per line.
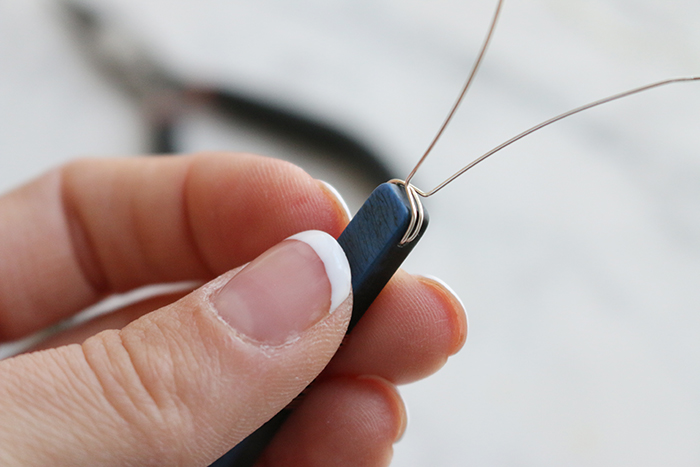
point(101, 226)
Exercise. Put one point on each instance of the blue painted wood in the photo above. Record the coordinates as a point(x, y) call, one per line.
point(371, 243)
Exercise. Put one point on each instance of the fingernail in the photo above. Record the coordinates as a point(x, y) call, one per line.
point(287, 289)
point(336, 195)
point(462, 324)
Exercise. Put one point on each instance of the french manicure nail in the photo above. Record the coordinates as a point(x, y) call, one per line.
point(287, 289)
point(463, 326)
point(337, 196)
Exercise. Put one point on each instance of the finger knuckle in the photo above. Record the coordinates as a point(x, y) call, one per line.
point(140, 391)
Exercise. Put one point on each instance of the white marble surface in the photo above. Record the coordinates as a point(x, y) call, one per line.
point(576, 252)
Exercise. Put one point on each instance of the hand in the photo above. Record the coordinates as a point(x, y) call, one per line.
point(184, 383)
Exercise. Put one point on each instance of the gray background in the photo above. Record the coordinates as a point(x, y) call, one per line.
point(576, 252)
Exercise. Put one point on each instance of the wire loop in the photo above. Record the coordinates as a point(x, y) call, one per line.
point(417, 211)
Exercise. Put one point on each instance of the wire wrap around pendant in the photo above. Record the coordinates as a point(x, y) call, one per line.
point(417, 212)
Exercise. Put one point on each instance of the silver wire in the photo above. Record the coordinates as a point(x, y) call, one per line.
point(539, 126)
point(417, 211)
point(413, 192)
point(465, 88)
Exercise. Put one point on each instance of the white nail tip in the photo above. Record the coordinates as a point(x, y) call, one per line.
point(334, 260)
point(454, 294)
point(335, 192)
point(449, 289)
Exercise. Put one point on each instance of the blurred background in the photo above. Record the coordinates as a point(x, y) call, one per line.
point(576, 251)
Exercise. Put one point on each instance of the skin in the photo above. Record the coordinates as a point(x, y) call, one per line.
point(164, 382)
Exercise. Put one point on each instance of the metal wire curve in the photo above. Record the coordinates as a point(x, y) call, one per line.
point(417, 212)
point(463, 92)
point(539, 126)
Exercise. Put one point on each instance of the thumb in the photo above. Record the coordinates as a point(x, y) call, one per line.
point(182, 385)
